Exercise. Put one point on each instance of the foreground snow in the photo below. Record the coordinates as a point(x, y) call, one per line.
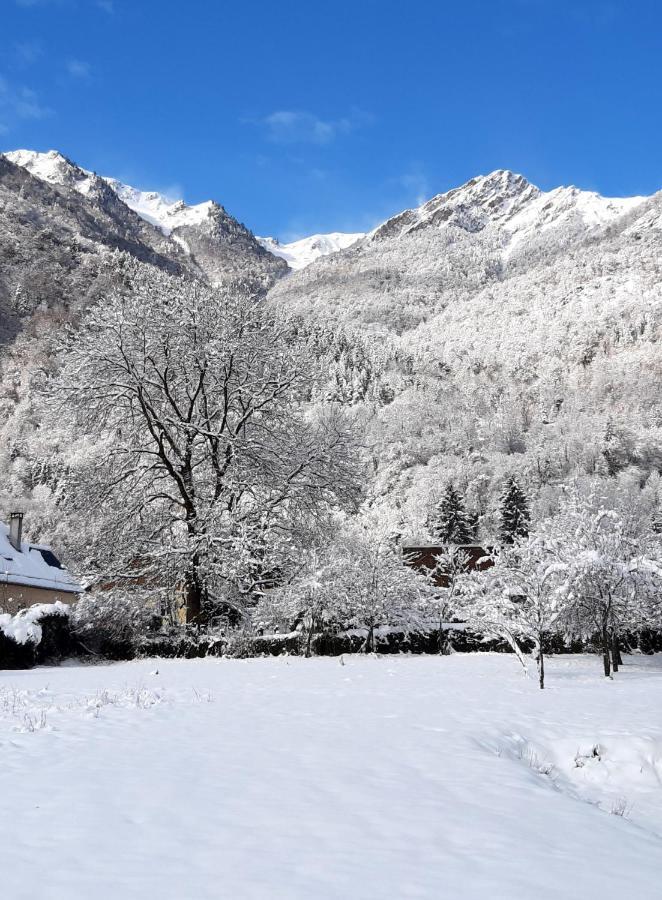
point(290, 778)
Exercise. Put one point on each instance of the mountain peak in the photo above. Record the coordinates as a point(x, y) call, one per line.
point(471, 206)
point(160, 210)
point(301, 253)
point(53, 167)
point(507, 201)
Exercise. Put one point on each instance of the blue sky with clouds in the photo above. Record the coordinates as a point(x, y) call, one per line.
point(303, 117)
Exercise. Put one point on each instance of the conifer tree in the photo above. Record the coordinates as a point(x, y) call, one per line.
point(450, 524)
point(515, 515)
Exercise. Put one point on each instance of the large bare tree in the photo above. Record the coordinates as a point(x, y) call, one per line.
point(213, 468)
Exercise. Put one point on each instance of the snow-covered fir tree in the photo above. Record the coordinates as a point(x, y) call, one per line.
point(449, 521)
point(514, 512)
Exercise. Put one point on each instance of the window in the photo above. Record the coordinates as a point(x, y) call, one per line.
point(51, 559)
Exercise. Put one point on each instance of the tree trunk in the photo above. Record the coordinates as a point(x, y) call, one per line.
point(604, 639)
point(370, 640)
point(616, 659)
point(540, 662)
point(443, 645)
point(193, 598)
point(193, 591)
point(309, 641)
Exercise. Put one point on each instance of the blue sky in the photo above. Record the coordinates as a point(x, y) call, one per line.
point(303, 116)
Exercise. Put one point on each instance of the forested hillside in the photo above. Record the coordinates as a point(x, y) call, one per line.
point(497, 330)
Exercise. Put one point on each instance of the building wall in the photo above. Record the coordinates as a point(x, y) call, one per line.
point(17, 596)
point(477, 559)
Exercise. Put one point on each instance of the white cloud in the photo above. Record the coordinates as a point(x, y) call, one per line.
point(18, 102)
point(287, 126)
point(77, 68)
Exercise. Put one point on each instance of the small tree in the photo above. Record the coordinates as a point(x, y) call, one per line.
point(375, 586)
point(514, 512)
point(450, 522)
point(450, 565)
point(310, 603)
point(521, 599)
point(612, 579)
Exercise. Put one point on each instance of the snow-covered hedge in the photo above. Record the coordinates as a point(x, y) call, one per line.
point(37, 634)
point(25, 625)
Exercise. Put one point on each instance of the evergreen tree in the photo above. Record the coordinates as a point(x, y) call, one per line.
point(515, 515)
point(450, 524)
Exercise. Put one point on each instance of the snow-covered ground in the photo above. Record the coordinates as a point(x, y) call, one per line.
point(412, 777)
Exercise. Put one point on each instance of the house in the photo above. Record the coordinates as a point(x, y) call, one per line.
point(30, 573)
point(425, 557)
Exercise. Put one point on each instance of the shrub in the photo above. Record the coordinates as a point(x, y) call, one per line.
point(36, 634)
point(111, 623)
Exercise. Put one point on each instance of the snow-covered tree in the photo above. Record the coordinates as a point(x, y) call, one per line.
point(443, 597)
point(613, 578)
point(449, 522)
point(211, 468)
point(514, 512)
point(373, 585)
point(521, 599)
point(311, 602)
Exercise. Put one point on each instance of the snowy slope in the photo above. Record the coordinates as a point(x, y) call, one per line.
point(292, 779)
point(165, 213)
point(460, 242)
point(301, 253)
point(54, 168)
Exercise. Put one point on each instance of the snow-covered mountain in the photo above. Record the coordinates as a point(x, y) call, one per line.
point(497, 329)
point(214, 242)
point(453, 245)
point(54, 168)
point(301, 253)
point(509, 202)
point(158, 209)
point(167, 214)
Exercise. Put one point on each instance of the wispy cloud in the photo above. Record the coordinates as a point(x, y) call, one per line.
point(288, 126)
point(77, 68)
point(17, 103)
point(28, 52)
point(415, 182)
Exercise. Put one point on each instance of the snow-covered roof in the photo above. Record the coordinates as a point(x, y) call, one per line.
point(35, 566)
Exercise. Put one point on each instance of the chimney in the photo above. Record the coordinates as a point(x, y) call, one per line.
point(16, 530)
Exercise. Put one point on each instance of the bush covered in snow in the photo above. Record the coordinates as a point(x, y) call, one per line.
point(112, 623)
point(37, 634)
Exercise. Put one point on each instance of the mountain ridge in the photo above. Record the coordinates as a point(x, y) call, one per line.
point(502, 198)
point(216, 243)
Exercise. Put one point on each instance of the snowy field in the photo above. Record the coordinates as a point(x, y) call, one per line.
point(415, 777)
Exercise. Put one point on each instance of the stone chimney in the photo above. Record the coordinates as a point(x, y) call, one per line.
point(16, 530)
